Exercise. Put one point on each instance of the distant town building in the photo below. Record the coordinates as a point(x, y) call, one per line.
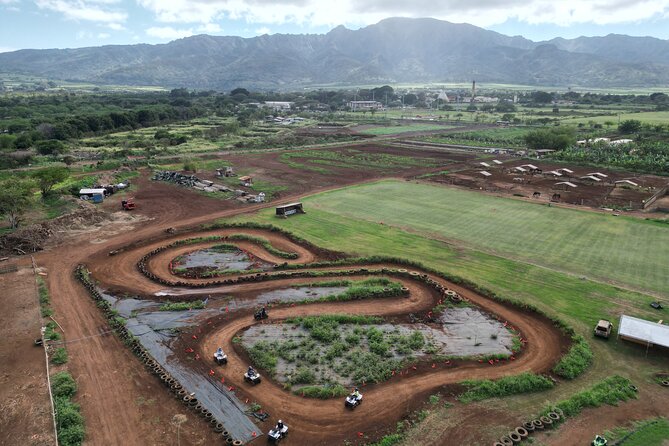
point(278, 105)
point(365, 105)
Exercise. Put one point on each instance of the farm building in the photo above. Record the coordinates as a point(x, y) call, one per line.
point(94, 195)
point(485, 173)
point(246, 181)
point(498, 162)
point(566, 185)
point(484, 164)
point(643, 332)
point(365, 105)
point(289, 209)
point(626, 183)
point(621, 141)
point(278, 105)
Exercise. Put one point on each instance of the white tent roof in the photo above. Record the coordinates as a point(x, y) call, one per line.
point(564, 169)
point(91, 191)
point(598, 174)
point(497, 161)
point(484, 173)
point(484, 164)
point(531, 166)
point(628, 182)
point(643, 330)
point(520, 169)
point(555, 172)
point(566, 183)
point(591, 177)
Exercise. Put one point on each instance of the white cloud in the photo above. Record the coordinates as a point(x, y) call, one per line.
point(263, 30)
point(363, 12)
point(209, 28)
point(115, 26)
point(6, 49)
point(103, 11)
point(168, 33)
point(104, 36)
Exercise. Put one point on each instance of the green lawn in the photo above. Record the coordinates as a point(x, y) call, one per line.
point(647, 117)
point(398, 129)
point(618, 249)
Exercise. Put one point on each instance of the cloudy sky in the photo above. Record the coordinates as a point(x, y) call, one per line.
point(78, 23)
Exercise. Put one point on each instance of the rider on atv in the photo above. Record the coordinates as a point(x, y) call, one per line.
point(251, 372)
point(356, 394)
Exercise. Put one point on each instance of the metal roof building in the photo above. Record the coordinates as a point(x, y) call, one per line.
point(643, 331)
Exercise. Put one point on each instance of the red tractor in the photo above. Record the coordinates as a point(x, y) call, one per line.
point(128, 204)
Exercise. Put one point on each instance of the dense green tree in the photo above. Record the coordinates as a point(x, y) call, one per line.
point(556, 138)
point(630, 126)
point(48, 177)
point(50, 147)
point(542, 97)
point(505, 107)
point(15, 197)
point(7, 142)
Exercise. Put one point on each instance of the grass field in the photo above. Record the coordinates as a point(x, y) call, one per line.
point(619, 249)
point(647, 117)
point(398, 129)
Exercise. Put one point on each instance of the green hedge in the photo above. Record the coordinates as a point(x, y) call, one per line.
point(510, 385)
point(69, 421)
point(577, 359)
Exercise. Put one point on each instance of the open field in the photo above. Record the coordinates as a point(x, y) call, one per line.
point(648, 117)
point(399, 129)
point(622, 250)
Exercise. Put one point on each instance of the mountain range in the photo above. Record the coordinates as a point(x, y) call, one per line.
point(395, 50)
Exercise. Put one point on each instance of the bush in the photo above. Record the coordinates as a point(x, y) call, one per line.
point(510, 385)
point(322, 392)
point(69, 422)
point(59, 356)
point(303, 376)
point(63, 385)
point(262, 354)
point(577, 359)
point(182, 306)
point(609, 391)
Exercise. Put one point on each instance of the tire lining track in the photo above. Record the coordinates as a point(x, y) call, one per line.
point(319, 421)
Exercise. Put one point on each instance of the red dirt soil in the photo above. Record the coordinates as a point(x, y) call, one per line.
point(25, 410)
point(308, 418)
point(124, 404)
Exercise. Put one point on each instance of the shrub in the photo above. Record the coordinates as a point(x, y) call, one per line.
point(59, 356)
point(182, 306)
point(510, 385)
point(303, 375)
point(63, 385)
point(262, 354)
point(577, 359)
point(322, 392)
point(69, 422)
point(50, 332)
point(608, 391)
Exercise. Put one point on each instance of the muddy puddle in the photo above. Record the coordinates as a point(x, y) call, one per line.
point(221, 259)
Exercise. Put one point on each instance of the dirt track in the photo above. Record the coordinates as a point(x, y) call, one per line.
point(316, 421)
point(111, 380)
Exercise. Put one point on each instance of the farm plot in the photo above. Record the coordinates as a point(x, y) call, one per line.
point(622, 250)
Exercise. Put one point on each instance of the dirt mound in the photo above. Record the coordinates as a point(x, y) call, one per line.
point(35, 237)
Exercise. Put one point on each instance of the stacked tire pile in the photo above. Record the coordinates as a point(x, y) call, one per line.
point(521, 433)
point(152, 365)
point(175, 177)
